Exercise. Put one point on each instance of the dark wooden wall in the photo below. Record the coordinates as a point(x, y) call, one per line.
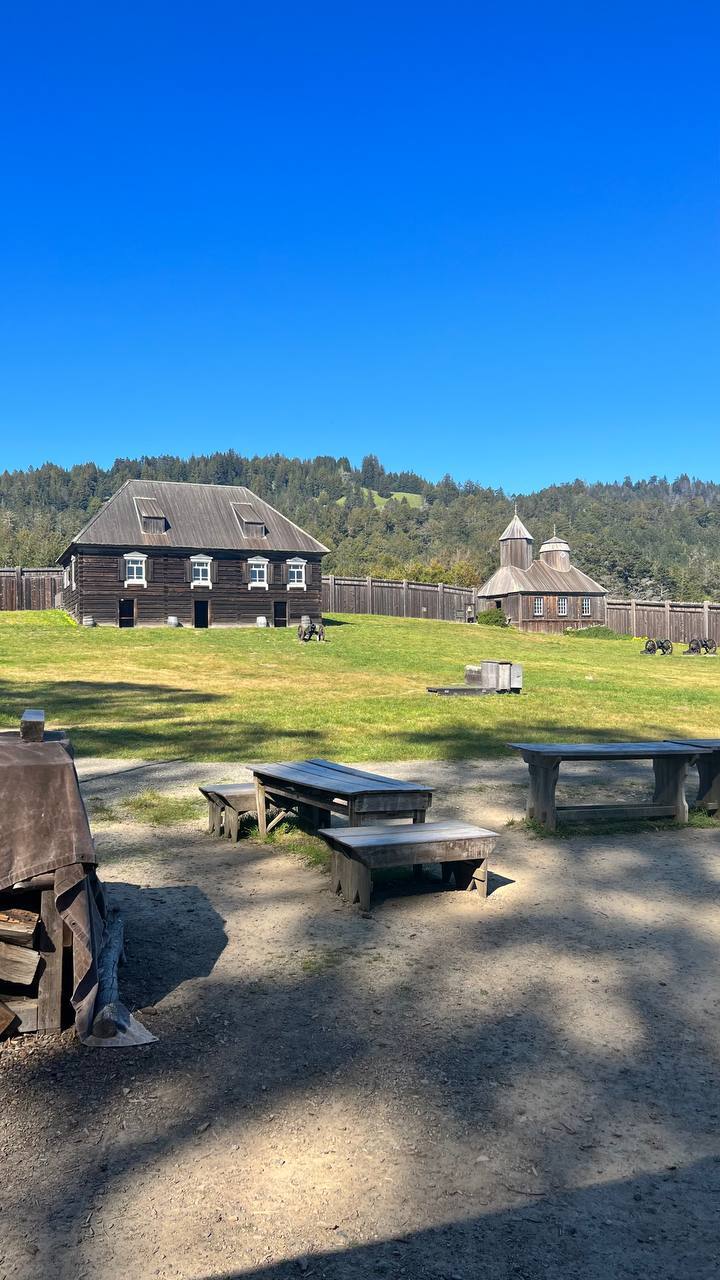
point(100, 586)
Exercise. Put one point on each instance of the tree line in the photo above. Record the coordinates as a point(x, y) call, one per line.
point(647, 538)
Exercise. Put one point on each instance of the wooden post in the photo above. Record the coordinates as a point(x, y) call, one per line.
point(369, 593)
point(667, 620)
point(51, 950)
point(261, 807)
point(633, 618)
point(706, 617)
point(441, 600)
point(670, 774)
point(405, 597)
point(332, 593)
point(18, 587)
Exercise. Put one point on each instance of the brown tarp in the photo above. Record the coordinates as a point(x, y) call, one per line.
point(44, 829)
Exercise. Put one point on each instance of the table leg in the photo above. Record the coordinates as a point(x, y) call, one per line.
point(541, 796)
point(232, 819)
point(670, 773)
point(708, 767)
point(261, 798)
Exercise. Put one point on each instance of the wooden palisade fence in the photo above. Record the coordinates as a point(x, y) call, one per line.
point(674, 620)
point(29, 588)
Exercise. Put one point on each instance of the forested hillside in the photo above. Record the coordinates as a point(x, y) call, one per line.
point(649, 538)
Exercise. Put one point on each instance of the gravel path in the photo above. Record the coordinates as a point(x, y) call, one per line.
point(445, 1090)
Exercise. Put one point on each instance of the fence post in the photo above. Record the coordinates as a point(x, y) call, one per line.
point(368, 590)
point(405, 597)
point(706, 617)
point(441, 600)
point(332, 593)
point(667, 619)
point(633, 617)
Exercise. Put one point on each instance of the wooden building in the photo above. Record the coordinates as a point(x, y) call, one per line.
point(206, 554)
point(547, 594)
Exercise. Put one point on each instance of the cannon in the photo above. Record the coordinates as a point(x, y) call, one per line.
point(308, 629)
point(697, 645)
point(658, 646)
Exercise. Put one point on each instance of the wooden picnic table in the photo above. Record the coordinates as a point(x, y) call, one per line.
point(708, 767)
point(670, 762)
point(317, 788)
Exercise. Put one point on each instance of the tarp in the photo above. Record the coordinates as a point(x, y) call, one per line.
point(44, 830)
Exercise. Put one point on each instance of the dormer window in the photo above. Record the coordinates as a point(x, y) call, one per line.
point(252, 526)
point(135, 569)
point(200, 571)
point(151, 516)
point(296, 574)
point(257, 573)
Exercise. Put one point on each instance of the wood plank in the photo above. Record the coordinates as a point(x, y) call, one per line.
point(364, 774)
point(603, 750)
point(422, 833)
point(7, 1017)
point(24, 1008)
point(18, 926)
point(18, 964)
point(341, 780)
point(599, 812)
point(32, 725)
point(51, 950)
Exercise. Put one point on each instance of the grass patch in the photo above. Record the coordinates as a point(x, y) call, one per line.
point(162, 810)
point(634, 826)
point(242, 694)
point(292, 839)
point(594, 633)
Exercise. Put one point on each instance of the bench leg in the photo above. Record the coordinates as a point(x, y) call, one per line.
point(709, 774)
point(232, 819)
point(261, 807)
point(468, 875)
point(211, 816)
point(352, 879)
point(670, 785)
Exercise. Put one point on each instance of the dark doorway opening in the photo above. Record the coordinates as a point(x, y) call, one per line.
point(498, 604)
point(126, 613)
point(201, 613)
point(280, 613)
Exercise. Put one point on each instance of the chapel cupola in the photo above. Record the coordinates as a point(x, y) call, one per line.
point(516, 544)
point(555, 553)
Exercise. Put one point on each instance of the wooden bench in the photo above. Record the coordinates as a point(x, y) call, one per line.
point(670, 762)
point(462, 850)
point(226, 805)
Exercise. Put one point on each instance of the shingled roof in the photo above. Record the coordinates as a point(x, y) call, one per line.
point(202, 517)
point(540, 579)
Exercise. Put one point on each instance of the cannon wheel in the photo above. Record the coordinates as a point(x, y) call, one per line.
point(321, 632)
point(710, 645)
point(650, 647)
point(665, 646)
point(694, 645)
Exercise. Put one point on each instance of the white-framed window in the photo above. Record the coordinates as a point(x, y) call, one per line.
point(586, 607)
point(257, 572)
point(538, 606)
point(66, 577)
point(562, 606)
point(135, 569)
point(296, 574)
point(73, 562)
point(200, 571)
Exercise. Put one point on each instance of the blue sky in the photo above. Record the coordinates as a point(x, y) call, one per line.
point(475, 238)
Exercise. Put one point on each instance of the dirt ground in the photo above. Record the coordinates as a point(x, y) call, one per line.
point(517, 1090)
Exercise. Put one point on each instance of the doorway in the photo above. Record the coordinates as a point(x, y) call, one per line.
point(126, 613)
point(280, 613)
point(201, 613)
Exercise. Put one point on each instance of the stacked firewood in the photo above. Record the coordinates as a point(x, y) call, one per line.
point(20, 965)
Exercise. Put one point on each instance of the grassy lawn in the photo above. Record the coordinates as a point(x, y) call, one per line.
point(248, 694)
